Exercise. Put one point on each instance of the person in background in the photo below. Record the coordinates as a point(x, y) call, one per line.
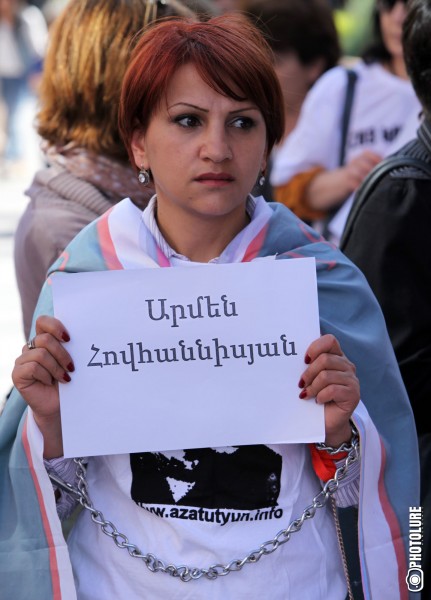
point(87, 168)
point(388, 241)
point(23, 36)
point(304, 40)
point(318, 168)
point(200, 125)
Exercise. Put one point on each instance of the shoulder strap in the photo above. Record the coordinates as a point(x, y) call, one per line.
point(344, 126)
point(370, 182)
point(348, 103)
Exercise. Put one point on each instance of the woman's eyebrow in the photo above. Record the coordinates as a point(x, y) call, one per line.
point(196, 107)
point(239, 110)
point(189, 106)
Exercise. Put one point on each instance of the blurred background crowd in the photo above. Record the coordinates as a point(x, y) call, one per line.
point(24, 27)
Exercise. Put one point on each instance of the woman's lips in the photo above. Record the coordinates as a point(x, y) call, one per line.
point(215, 178)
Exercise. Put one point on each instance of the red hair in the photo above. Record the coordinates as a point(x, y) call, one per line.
point(228, 52)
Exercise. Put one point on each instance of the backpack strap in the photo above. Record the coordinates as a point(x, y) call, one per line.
point(370, 182)
point(352, 77)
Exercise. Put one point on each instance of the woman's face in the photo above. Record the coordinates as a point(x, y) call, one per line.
point(391, 23)
point(204, 150)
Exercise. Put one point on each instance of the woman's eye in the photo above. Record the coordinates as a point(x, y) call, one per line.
point(242, 123)
point(187, 121)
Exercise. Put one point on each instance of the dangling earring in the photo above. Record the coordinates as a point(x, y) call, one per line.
point(144, 176)
point(261, 180)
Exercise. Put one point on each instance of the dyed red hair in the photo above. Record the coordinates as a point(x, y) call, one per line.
point(228, 52)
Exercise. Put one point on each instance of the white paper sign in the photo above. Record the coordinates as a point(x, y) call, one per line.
point(178, 358)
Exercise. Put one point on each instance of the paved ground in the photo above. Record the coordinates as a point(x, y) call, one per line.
point(12, 203)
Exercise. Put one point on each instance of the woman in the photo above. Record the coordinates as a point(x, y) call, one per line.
point(305, 43)
point(309, 172)
point(87, 170)
point(201, 125)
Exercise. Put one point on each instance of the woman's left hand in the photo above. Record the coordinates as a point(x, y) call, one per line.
point(331, 379)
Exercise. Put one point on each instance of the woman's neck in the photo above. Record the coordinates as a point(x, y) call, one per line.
point(397, 67)
point(198, 239)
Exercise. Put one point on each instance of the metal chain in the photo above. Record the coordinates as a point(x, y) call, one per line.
point(185, 573)
point(344, 447)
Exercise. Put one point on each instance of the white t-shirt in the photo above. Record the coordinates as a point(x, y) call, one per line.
point(384, 107)
point(175, 515)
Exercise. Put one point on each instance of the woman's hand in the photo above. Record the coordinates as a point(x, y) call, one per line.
point(331, 379)
point(36, 375)
point(330, 188)
point(359, 167)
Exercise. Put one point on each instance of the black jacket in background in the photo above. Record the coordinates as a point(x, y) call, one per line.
point(391, 244)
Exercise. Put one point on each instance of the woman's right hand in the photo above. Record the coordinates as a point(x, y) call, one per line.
point(36, 375)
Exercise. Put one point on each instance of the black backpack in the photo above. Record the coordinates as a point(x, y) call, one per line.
point(370, 182)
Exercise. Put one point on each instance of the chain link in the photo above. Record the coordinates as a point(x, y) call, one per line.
point(344, 447)
point(156, 565)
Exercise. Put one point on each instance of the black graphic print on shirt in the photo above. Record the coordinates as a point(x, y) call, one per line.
point(372, 135)
point(243, 478)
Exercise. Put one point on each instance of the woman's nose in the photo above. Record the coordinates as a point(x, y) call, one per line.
point(215, 145)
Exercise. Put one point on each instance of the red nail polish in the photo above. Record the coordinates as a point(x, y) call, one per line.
point(303, 394)
point(66, 377)
point(71, 367)
point(301, 383)
point(65, 337)
point(307, 359)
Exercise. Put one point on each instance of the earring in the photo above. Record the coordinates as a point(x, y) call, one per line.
point(261, 180)
point(144, 176)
